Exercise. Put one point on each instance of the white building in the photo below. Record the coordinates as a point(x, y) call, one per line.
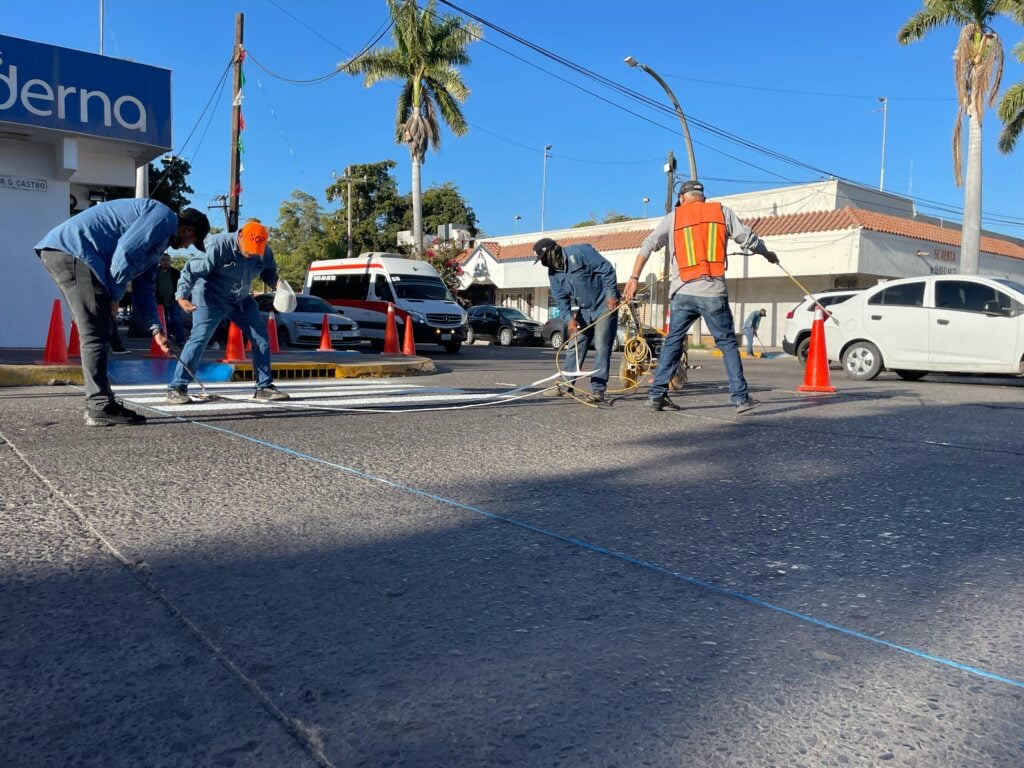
point(71, 123)
point(827, 234)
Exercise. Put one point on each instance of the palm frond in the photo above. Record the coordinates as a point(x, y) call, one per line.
point(451, 112)
point(925, 20)
point(1011, 113)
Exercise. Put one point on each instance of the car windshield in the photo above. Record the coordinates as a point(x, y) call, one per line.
point(512, 314)
point(417, 287)
point(313, 304)
point(1018, 287)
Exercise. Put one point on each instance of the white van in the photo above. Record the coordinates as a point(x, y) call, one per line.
point(363, 285)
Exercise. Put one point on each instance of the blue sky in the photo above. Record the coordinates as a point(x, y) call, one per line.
point(800, 79)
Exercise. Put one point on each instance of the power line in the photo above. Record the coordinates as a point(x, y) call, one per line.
point(712, 129)
point(806, 93)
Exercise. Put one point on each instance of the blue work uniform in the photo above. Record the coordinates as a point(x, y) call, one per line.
point(587, 282)
point(219, 283)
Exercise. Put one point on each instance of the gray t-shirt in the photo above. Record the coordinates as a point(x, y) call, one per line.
point(661, 237)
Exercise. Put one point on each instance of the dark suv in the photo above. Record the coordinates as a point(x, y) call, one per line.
point(504, 325)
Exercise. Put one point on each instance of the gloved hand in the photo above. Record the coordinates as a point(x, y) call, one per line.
point(771, 257)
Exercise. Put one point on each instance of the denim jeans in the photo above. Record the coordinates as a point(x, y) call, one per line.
point(205, 320)
point(750, 341)
point(174, 316)
point(90, 305)
point(600, 337)
point(716, 313)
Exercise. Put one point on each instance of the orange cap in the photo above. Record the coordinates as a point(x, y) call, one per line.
point(254, 238)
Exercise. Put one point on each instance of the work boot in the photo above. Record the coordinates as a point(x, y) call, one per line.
point(662, 403)
point(177, 397)
point(596, 397)
point(561, 390)
point(270, 392)
point(112, 414)
point(747, 405)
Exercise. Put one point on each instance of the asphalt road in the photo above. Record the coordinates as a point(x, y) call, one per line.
point(825, 581)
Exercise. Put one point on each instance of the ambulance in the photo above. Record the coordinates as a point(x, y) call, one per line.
point(364, 284)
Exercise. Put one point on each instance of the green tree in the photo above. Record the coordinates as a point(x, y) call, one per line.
point(427, 51)
point(444, 204)
point(977, 71)
point(1011, 109)
point(377, 208)
point(301, 237)
point(611, 217)
point(169, 185)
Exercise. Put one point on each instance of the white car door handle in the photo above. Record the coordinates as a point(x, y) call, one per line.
point(942, 322)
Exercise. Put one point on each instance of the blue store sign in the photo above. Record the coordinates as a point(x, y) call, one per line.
point(77, 92)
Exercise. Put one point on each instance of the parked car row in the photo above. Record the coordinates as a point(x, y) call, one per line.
point(304, 326)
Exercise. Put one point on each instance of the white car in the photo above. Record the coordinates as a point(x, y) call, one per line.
point(304, 326)
point(941, 323)
point(796, 332)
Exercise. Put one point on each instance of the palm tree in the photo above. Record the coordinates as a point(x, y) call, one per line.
point(1011, 109)
point(427, 50)
point(977, 71)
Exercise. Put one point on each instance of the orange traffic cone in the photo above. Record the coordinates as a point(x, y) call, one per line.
point(391, 332)
point(325, 336)
point(409, 338)
point(816, 375)
point(154, 348)
point(56, 352)
point(275, 348)
point(235, 351)
point(74, 343)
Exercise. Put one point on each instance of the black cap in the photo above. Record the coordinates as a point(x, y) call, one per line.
point(691, 186)
point(198, 220)
point(542, 246)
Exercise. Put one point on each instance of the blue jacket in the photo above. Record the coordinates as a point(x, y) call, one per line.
point(753, 321)
point(587, 282)
point(222, 276)
point(121, 241)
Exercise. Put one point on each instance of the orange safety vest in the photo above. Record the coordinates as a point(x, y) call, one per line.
point(699, 238)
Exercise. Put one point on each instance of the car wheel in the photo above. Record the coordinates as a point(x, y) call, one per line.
point(911, 375)
point(802, 348)
point(283, 339)
point(557, 339)
point(377, 344)
point(862, 361)
point(505, 337)
point(470, 335)
point(453, 347)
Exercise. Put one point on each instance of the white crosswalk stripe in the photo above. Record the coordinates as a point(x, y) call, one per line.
point(328, 394)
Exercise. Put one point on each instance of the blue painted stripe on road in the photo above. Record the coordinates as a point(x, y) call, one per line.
point(724, 591)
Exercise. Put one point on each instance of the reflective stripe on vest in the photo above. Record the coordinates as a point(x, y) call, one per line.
point(699, 238)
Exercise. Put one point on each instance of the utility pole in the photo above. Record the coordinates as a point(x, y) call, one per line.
point(236, 119)
point(670, 172)
point(348, 201)
point(885, 112)
point(220, 201)
point(101, 26)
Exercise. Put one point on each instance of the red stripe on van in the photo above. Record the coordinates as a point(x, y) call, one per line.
point(345, 266)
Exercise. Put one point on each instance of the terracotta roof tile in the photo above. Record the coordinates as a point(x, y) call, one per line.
point(790, 224)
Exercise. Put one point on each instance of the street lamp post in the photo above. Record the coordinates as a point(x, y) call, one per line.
point(515, 222)
point(884, 109)
point(543, 185)
point(631, 62)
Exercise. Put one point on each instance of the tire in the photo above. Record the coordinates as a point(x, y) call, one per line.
point(802, 347)
point(377, 344)
point(505, 337)
point(911, 375)
point(557, 339)
point(453, 347)
point(470, 335)
point(862, 361)
point(283, 339)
